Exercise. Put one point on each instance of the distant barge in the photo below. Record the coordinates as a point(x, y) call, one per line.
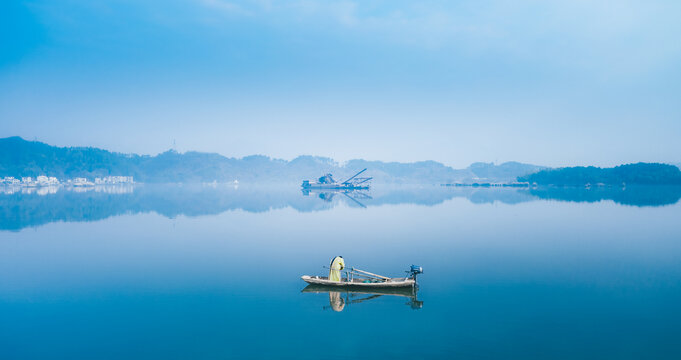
point(327, 182)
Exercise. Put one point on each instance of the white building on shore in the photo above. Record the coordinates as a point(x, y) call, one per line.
point(113, 180)
point(10, 180)
point(43, 185)
point(81, 182)
point(43, 180)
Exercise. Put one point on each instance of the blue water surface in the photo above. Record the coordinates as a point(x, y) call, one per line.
point(214, 273)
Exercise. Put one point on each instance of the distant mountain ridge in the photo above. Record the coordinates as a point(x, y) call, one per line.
point(19, 157)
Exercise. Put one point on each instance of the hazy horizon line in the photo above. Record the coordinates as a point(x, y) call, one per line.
point(336, 162)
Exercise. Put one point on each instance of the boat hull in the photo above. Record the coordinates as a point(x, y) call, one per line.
point(359, 284)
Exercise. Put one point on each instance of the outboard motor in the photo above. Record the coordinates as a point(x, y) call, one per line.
point(415, 270)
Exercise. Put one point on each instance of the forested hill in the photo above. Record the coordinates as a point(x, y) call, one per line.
point(19, 157)
point(640, 173)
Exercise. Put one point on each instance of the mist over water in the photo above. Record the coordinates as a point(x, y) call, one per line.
point(30, 207)
point(214, 272)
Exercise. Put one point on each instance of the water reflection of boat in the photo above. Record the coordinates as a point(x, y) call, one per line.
point(355, 196)
point(339, 298)
point(327, 182)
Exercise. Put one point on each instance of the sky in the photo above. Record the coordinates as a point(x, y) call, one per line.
point(554, 83)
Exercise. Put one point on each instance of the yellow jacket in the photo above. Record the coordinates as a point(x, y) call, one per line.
point(337, 264)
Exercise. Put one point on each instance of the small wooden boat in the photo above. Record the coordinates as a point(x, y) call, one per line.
point(356, 278)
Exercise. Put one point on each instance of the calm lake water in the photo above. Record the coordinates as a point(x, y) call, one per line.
point(177, 272)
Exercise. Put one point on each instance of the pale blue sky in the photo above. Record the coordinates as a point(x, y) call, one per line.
point(546, 82)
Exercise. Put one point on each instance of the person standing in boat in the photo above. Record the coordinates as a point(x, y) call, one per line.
point(337, 264)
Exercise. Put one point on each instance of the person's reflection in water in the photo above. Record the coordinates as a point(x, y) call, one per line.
point(337, 302)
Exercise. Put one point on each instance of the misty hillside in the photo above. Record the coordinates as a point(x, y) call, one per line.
point(640, 174)
point(19, 158)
